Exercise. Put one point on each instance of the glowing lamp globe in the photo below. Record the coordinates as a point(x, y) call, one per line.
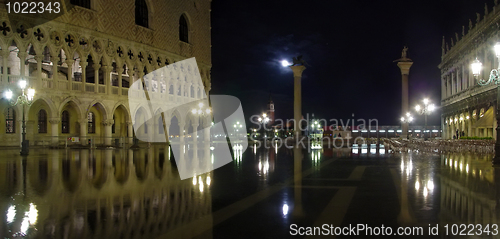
point(31, 93)
point(497, 49)
point(8, 94)
point(22, 84)
point(432, 107)
point(476, 67)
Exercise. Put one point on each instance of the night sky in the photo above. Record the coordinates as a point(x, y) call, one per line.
point(349, 45)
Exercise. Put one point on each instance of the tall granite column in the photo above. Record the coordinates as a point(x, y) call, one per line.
point(297, 99)
point(404, 64)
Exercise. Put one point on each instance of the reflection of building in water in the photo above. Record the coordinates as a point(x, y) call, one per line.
point(469, 191)
point(82, 64)
point(99, 194)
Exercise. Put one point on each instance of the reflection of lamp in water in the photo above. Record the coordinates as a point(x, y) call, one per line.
point(404, 217)
point(11, 213)
point(285, 209)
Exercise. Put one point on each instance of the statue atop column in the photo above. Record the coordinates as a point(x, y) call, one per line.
point(299, 61)
point(404, 55)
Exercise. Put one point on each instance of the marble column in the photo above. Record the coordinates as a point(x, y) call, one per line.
point(70, 63)
point(96, 76)
point(107, 124)
point(297, 98)
point(195, 132)
point(54, 128)
point(83, 64)
point(130, 132)
point(404, 66)
point(83, 131)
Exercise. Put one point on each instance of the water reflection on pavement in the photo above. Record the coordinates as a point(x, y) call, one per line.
point(138, 194)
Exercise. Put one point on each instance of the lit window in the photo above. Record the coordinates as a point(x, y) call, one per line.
point(91, 123)
point(10, 121)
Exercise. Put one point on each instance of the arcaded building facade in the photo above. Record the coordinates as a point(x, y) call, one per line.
point(467, 107)
point(82, 63)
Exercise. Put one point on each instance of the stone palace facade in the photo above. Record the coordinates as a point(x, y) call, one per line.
point(82, 63)
point(466, 106)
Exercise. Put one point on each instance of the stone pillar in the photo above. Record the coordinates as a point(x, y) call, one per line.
point(119, 79)
point(38, 59)
point(297, 99)
point(22, 56)
point(96, 76)
point(195, 132)
point(83, 131)
point(107, 132)
point(206, 134)
point(54, 128)
point(404, 66)
point(70, 63)
point(181, 132)
point(130, 132)
point(83, 64)
point(5, 66)
point(107, 78)
point(443, 89)
point(55, 61)
point(131, 77)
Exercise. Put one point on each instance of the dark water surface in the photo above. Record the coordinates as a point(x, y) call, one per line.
point(138, 194)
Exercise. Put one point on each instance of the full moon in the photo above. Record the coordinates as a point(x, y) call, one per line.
point(285, 63)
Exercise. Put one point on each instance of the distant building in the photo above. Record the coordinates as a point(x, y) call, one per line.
point(270, 110)
point(467, 108)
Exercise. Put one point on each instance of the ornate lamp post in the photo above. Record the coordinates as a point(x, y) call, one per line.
point(426, 110)
point(264, 120)
point(494, 78)
point(26, 98)
point(407, 120)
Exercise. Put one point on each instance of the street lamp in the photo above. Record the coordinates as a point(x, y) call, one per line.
point(494, 78)
point(236, 127)
point(425, 110)
point(407, 119)
point(26, 98)
point(201, 110)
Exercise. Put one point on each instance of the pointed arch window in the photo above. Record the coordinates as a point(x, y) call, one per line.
point(42, 121)
point(65, 122)
point(141, 13)
point(113, 125)
point(91, 123)
point(171, 89)
point(10, 121)
point(192, 92)
point(183, 29)
point(81, 3)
